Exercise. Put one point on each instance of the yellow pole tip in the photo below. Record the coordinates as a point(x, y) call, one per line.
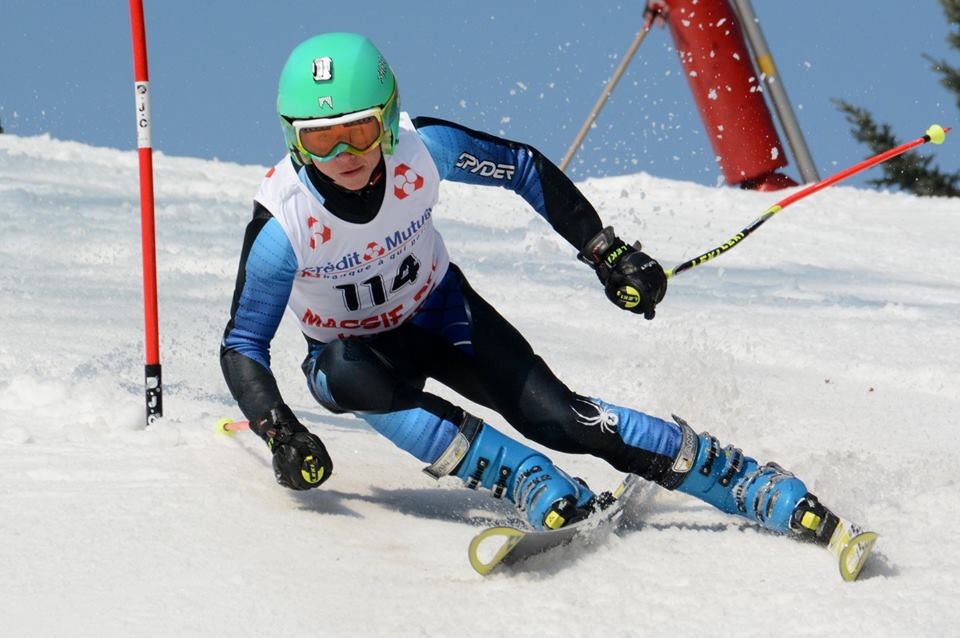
point(936, 133)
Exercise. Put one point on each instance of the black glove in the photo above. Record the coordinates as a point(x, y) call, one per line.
point(632, 280)
point(300, 461)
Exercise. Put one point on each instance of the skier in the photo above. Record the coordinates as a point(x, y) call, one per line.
point(342, 234)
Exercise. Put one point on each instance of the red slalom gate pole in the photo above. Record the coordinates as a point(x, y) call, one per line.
point(152, 377)
point(935, 134)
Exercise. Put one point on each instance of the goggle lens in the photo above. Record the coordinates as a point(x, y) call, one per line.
point(357, 137)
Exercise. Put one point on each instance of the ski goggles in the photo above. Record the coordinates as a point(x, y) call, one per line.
point(355, 133)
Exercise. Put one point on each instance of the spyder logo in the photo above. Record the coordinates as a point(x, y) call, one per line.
point(485, 168)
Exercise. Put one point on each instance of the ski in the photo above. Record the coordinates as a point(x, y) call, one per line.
point(847, 542)
point(851, 546)
point(515, 545)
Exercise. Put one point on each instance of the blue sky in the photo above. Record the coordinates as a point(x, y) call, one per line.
point(526, 69)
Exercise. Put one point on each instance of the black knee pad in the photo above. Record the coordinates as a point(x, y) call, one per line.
point(361, 380)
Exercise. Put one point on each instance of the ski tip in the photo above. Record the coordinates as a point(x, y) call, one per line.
point(500, 539)
point(855, 554)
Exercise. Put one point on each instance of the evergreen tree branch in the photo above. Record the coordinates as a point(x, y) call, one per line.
point(911, 171)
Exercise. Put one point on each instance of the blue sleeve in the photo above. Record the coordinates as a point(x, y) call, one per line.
point(263, 288)
point(265, 278)
point(473, 157)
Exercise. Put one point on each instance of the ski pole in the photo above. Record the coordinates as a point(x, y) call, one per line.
point(935, 134)
point(226, 425)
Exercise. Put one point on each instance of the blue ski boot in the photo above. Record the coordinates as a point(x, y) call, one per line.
point(483, 457)
point(735, 483)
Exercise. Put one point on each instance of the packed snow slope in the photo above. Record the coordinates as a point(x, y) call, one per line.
point(828, 341)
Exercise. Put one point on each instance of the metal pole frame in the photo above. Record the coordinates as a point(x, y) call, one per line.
point(778, 94)
point(608, 88)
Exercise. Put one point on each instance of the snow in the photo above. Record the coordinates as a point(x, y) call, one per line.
point(827, 342)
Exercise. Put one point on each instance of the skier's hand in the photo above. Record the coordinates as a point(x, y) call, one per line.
point(632, 279)
point(636, 282)
point(300, 460)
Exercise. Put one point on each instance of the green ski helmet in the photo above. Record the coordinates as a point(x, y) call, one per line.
point(335, 74)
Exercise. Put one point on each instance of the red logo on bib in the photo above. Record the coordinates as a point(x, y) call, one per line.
point(373, 251)
point(406, 181)
point(323, 232)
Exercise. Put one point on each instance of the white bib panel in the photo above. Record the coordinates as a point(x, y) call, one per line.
point(361, 279)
